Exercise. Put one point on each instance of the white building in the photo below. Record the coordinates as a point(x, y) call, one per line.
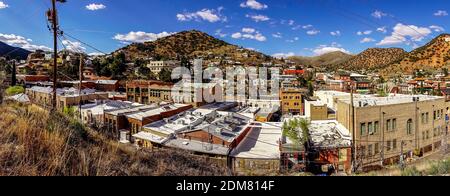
point(158, 66)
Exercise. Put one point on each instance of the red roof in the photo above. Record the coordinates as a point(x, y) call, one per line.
point(293, 72)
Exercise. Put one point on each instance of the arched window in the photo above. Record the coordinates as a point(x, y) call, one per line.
point(409, 127)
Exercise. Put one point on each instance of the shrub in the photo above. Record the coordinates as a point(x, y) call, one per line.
point(411, 171)
point(14, 90)
point(439, 168)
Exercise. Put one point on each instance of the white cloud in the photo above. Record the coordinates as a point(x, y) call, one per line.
point(313, 32)
point(283, 55)
point(96, 54)
point(237, 35)
point(3, 5)
point(210, 15)
point(402, 32)
point(258, 18)
point(297, 27)
point(437, 28)
point(368, 32)
point(253, 4)
point(220, 33)
point(22, 42)
point(335, 33)
point(32, 47)
point(140, 37)
point(94, 7)
point(249, 33)
point(291, 22)
point(441, 13)
point(382, 29)
point(293, 40)
point(324, 49)
point(277, 35)
point(248, 30)
point(73, 46)
point(367, 40)
point(307, 26)
point(378, 14)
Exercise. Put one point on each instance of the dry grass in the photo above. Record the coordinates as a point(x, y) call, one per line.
point(36, 143)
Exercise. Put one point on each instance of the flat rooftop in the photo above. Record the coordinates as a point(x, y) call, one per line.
point(262, 142)
point(368, 101)
point(131, 109)
point(140, 115)
point(317, 103)
point(65, 92)
point(197, 146)
point(327, 133)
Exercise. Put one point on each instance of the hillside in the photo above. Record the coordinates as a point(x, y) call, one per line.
point(374, 59)
point(434, 56)
point(36, 143)
point(326, 61)
point(19, 53)
point(192, 44)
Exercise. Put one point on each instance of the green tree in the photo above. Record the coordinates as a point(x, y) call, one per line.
point(291, 131)
point(304, 126)
point(297, 131)
point(310, 89)
point(445, 71)
point(165, 75)
point(146, 74)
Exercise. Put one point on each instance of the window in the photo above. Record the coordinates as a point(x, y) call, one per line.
point(388, 146)
point(388, 125)
point(409, 127)
point(423, 118)
point(394, 144)
point(394, 124)
point(376, 127)
point(370, 128)
point(428, 134)
point(377, 148)
point(363, 128)
point(370, 150)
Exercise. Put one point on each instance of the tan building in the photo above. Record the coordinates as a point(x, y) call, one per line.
point(291, 101)
point(316, 110)
point(67, 97)
point(158, 66)
point(148, 92)
point(386, 127)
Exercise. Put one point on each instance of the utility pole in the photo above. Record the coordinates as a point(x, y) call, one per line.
point(81, 85)
point(382, 139)
point(53, 19)
point(352, 113)
point(13, 73)
point(55, 50)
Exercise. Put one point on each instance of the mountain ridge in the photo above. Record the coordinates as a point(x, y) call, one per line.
point(193, 44)
point(13, 52)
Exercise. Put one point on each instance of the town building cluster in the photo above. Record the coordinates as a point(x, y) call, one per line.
point(340, 124)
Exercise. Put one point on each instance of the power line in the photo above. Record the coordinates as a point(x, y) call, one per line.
point(86, 44)
point(394, 18)
point(361, 19)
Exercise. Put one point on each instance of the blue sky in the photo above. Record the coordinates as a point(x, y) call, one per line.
point(281, 27)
